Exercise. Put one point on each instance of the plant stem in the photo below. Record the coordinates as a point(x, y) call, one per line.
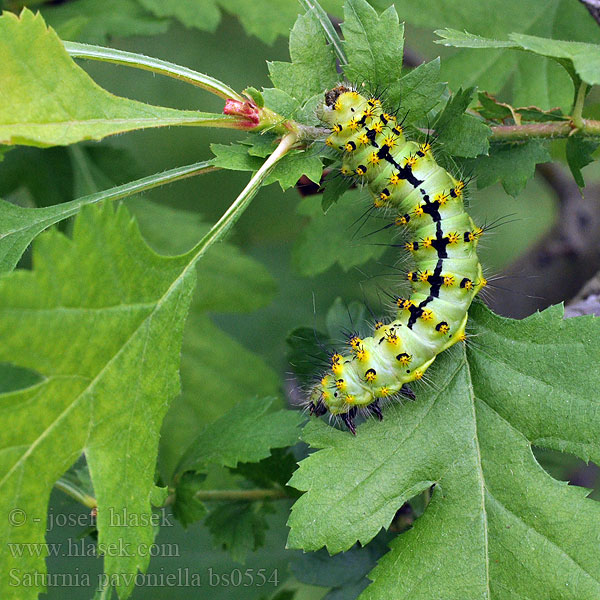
point(147, 63)
point(246, 495)
point(560, 129)
point(241, 203)
point(72, 489)
point(577, 116)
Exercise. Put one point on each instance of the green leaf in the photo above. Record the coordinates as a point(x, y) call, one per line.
point(417, 92)
point(19, 226)
point(581, 57)
point(532, 79)
point(334, 187)
point(97, 21)
point(49, 100)
point(204, 16)
point(229, 280)
point(374, 44)
point(106, 340)
point(187, 509)
point(276, 469)
point(511, 164)
point(312, 69)
point(239, 527)
point(287, 172)
point(335, 237)
point(496, 525)
point(210, 385)
point(460, 134)
point(579, 154)
point(245, 434)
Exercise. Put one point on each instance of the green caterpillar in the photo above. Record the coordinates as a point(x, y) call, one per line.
point(404, 177)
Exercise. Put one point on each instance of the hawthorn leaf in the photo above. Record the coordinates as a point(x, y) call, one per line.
point(210, 386)
point(230, 280)
point(417, 92)
point(374, 44)
point(326, 239)
point(287, 171)
point(244, 434)
point(579, 154)
point(532, 79)
point(511, 164)
point(19, 226)
point(106, 339)
point(48, 100)
point(461, 134)
point(312, 69)
point(239, 527)
point(577, 57)
point(497, 525)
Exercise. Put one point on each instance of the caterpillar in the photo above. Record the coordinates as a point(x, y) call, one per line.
point(427, 201)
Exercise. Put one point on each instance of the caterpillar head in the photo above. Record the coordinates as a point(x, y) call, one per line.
point(337, 104)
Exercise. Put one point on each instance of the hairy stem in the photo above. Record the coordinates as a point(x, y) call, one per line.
point(554, 129)
point(72, 489)
point(147, 63)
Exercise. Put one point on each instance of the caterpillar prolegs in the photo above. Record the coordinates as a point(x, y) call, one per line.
point(404, 177)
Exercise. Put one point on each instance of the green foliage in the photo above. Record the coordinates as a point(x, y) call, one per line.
point(35, 61)
point(470, 436)
point(93, 337)
point(328, 238)
point(374, 44)
point(108, 330)
point(245, 434)
point(511, 164)
point(313, 63)
point(460, 134)
point(578, 57)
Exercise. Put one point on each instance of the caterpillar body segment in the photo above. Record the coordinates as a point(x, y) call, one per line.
point(403, 177)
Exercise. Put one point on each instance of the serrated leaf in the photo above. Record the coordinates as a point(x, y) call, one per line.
point(96, 21)
point(230, 280)
point(579, 154)
point(334, 187)
point(373, 44)
point(204, 16)
point(49, 100)
point(582, 58)
point(325, 239)
point(461, 134)
point(496, 525)
point(210, 385)
point(312, 69)
point(239, 527)
point(417, 92)
point(187, 509)
point(19, 226)
point(106, 340)
point(287, 172)
point(275, 469)
point(245, 434)
point(511, 164)
point(532, 79)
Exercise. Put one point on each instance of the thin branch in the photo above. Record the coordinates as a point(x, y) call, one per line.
point(554, 129)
